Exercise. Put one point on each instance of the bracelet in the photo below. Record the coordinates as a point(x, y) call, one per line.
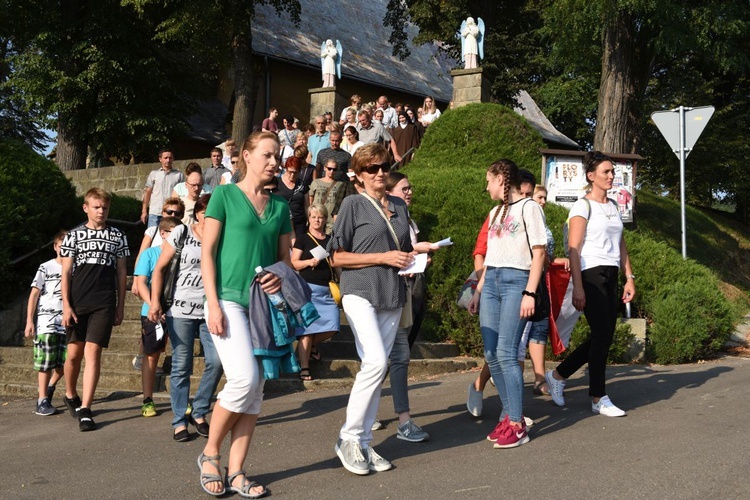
point(528, 293)
point(630, 276)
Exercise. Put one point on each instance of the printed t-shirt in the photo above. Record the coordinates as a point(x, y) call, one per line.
point(507, 243)
point(188, 293)
point(246, 240)
point(49, 308)
point(601, 243)
point(145, 267)
point(94, 253)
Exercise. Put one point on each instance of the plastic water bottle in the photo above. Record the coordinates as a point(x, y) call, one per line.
point(277, 299)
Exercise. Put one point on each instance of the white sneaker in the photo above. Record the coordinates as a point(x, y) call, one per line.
point(556, 388)
point(607, 408)
point(376, 426)
point(475, 401)
point(529, 422)
point(375, 462)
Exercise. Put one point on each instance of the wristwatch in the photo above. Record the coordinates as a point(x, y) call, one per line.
point(530, 294)
point(630, 276)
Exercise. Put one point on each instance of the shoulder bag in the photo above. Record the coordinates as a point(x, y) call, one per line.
point(541, 301)
point(170, 275)
point(407, 318)
point(333, 285)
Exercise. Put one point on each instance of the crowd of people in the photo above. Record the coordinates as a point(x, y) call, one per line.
point(252, 253)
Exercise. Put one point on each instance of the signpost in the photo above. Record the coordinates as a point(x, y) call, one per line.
point(681, 127)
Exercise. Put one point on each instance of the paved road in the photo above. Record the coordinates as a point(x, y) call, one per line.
point(685, 436)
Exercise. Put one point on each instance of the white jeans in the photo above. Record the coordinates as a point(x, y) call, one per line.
point(374, 333)
point(243, 392)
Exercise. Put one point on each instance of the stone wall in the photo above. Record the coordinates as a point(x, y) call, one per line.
point(122, 180)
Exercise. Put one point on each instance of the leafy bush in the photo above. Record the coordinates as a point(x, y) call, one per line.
point(37, 201)
point(448, 174)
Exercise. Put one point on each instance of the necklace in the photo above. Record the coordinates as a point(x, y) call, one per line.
point(611, 213)
point(264, 201)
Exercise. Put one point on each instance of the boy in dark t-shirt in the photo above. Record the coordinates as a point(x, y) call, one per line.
point(93, 293)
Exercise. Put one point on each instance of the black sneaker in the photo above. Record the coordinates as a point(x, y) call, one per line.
point(73, 405)
point(85, 420)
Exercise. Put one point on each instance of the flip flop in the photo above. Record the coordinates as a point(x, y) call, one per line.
point(537, 389)
point(304, 375)
point(315, 353)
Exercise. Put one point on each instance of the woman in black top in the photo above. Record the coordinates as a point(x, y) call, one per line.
point(295, 193)
point(317, 273)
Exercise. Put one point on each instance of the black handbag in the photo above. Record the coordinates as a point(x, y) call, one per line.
point(541, 300)
point(166, 299)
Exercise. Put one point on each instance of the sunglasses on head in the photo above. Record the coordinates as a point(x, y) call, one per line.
point(174, 213)
point(374, 168)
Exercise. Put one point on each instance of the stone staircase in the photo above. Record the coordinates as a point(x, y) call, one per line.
point(337, 368)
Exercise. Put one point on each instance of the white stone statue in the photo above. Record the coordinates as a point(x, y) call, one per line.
point(330, 60)
point(472, 42)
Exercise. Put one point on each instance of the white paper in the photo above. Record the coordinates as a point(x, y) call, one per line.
point(159, 331)
point(417, 266)
point(319, 252)
point(444, 243)
point(350, 174)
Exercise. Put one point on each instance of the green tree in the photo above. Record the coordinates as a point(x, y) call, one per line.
point(509, 46)
point(17, 120)
point(221, 31)
point(97, 69)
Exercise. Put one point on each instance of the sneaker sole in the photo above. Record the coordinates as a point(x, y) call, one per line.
point(149, 415)
point(411, 440)
point(359, 472)
point(45, 414)
point(521, 441)
point(382, 468)
point(597, 412)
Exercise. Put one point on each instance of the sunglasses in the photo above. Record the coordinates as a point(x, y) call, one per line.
point(373, 169)
point(174, 213)
point(290, 172)
point(330, 169)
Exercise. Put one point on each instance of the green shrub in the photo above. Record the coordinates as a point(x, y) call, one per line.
point(448, 174)
point(37, 201)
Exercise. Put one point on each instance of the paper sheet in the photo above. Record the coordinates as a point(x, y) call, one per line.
point(319, 252)
point(444, 243)
point(417, 266)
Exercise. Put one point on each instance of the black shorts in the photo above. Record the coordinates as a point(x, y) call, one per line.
point(148, 337)
point(94, 325)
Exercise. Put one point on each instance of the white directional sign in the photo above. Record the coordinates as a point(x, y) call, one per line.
point(668, 123)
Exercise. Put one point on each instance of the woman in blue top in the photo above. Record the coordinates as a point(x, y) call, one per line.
point(245, 227)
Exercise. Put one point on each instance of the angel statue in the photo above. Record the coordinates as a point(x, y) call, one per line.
point(330, 60)
point(472, 42)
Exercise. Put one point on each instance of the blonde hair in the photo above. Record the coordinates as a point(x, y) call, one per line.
point(250, 144)
point(97, 193)
point(321, 209)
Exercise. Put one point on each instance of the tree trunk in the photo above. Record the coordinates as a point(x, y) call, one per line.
point(71, 149)
point(244, 86)
point(622, 85)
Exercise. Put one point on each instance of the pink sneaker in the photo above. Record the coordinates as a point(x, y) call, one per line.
point(498, 431)
point(512, 436)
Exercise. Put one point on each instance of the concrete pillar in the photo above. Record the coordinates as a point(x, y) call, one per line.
point(469, 86)
point(637, 349)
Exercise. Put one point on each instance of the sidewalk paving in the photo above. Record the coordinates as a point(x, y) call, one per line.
point(685, 436)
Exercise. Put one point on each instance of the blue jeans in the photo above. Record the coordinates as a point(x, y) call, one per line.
point(502, 327)
point(182, 334)
point(399, 358)
point(153, 220)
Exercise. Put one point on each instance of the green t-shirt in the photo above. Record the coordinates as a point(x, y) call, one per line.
point(246, 240)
